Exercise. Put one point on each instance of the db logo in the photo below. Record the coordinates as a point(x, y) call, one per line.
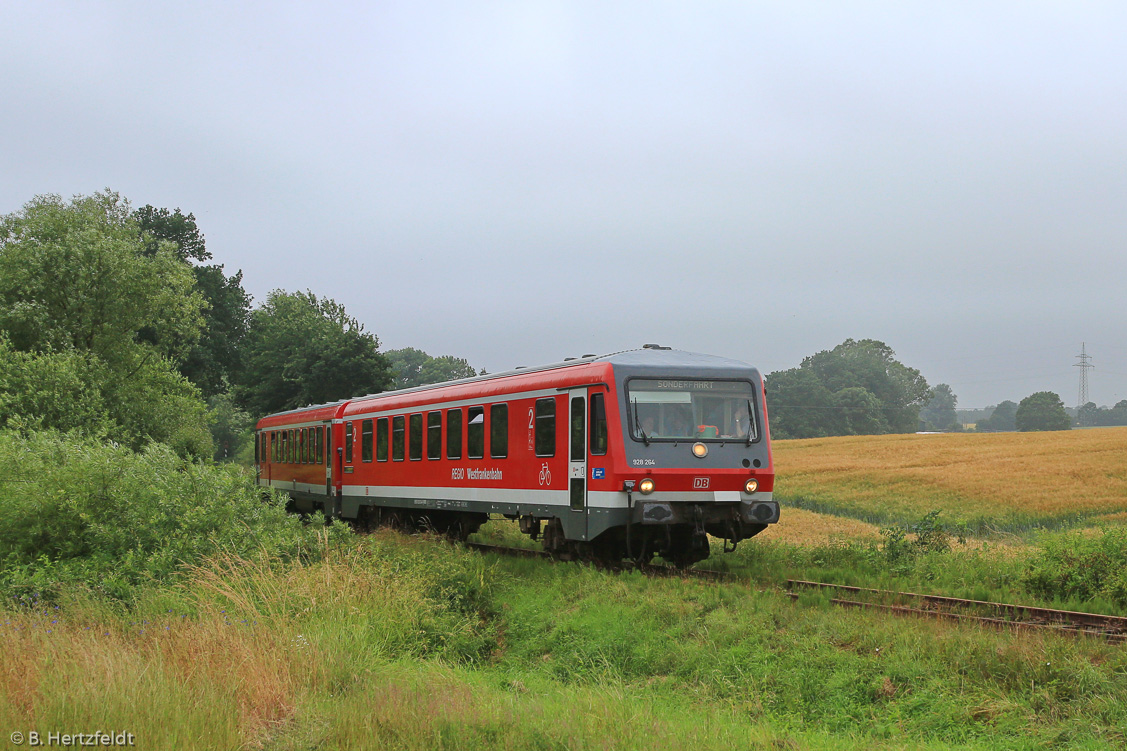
point(700, 483)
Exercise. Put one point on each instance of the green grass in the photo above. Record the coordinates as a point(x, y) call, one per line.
point(409, 642)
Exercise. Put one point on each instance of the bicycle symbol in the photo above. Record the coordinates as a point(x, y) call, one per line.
point(545, 475)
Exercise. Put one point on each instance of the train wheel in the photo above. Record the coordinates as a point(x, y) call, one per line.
point(457, 529)
point(685, 549)
point(394, 520)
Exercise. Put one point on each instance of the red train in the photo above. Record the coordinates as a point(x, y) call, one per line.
point(629, 455)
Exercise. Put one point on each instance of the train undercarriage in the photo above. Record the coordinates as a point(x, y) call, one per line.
point(682, 543)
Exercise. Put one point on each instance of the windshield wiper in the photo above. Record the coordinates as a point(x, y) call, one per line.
point(638, 426)
point(750, 422)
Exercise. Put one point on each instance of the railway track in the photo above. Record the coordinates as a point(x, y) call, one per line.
point(1005, 615)
point(998, 614)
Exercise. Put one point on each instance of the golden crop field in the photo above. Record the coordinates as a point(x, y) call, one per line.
point(1004, 481)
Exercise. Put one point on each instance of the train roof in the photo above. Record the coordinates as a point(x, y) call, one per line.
point(648, 357)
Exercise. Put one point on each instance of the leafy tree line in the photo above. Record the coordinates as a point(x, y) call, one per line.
point(1042, 410)
point(116, 323)
point(860, 388)
point(1090, 416)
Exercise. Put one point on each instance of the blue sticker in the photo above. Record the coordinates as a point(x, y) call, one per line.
point(598, 473)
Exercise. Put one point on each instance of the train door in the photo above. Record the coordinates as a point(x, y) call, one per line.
point(577, 456)
point(326, 453)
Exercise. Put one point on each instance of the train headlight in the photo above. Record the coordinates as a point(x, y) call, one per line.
point(751, 485)
point(700, 450)
point(646, 486)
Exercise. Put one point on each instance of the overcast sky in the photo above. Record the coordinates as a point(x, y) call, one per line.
point(514, 183)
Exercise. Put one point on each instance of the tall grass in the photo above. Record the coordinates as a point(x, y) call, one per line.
point(387, 641)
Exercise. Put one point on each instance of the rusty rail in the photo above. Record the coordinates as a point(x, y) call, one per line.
point(1111, 627)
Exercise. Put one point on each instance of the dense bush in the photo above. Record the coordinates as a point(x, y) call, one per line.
point(76, 511)
point(1082, 566)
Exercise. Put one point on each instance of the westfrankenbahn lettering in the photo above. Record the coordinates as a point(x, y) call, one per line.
point(483, 474)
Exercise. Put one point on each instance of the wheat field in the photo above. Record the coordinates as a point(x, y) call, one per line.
point(1001, 481)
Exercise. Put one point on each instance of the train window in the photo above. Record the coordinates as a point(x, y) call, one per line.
point(598, 421)
point(499, 431)
point(321, 445)
point(273, 445)
point(434, 435)
point(545, 427)
point(691, 410)
point(348, 443)
point(578, 430)
point(366, 440)
point(415, 440)
point(303, 446)
point(328, 445)
point(453, 434)
point(475, 433)
point(398, 431)
point(381, 439)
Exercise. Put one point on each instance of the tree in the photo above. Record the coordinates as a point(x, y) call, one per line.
point(232, 430)
point(413, 367)
point(939, 412)
point(86, 312)
point(808, 401)
point(1117, 415)
point(73, 276)
point(1002, 418)
point(799, 405)
point(1042, 411)
point(162, 224)
point(212, 362)
point(1088, 415)
point(858, 412)
point(301, 350)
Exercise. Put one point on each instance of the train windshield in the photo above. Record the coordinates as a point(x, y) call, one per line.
point(691, 410)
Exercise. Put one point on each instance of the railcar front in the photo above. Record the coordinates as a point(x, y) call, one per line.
point(695, 458)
